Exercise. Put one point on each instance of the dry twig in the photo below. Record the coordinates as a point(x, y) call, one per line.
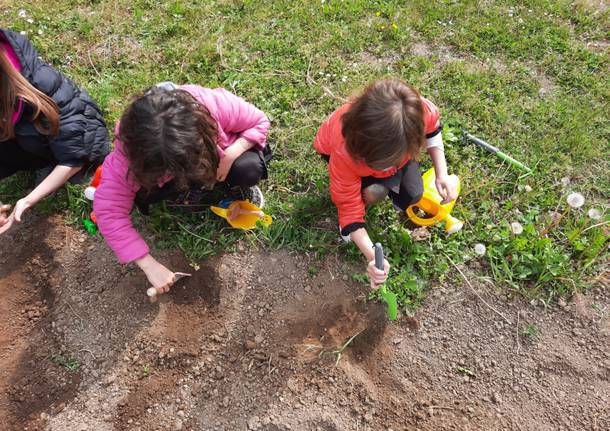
point(475, 292)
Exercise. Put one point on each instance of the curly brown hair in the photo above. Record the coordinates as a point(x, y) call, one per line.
point(168, 132)
point(384, 124)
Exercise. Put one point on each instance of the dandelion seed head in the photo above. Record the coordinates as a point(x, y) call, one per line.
point(479, 249)
point(576, 200)
point(565, 181)
point(516, 228)
point(595, 214)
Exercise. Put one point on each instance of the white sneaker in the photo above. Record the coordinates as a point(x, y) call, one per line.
point(252, 194)
point(345, 238)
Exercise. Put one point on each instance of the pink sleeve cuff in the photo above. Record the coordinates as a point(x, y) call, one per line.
point(135, 251)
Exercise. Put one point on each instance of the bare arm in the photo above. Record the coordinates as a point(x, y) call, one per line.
point(57, 178)
point(446, 188)
point(231, 154)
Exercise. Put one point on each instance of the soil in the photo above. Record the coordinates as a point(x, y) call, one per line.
point(258, 340)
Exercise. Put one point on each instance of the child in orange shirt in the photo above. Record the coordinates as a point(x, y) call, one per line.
point(372, 145)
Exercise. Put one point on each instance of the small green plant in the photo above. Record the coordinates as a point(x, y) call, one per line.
point(66, 362)
point(466, 371)
point(145, 370)
point(313, 271)
point(530, 331)
point(338, 351)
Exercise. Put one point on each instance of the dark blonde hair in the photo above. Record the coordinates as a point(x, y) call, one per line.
point(168, 132)
point(14, 86)
point(384, 124)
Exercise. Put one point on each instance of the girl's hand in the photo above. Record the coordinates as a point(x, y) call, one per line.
point(157, 274)
point(446, 188)
point(224, 166)
point(377, 276)
point(20, 207)
point(4, 214)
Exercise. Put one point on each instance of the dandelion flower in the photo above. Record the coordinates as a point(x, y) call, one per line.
point(479, 249)
point(516, 227)
point(595, 214)
point(576, 200)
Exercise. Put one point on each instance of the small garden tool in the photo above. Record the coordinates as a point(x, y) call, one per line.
point(481, 143)
point(152, 292)
point(242, 215)
point(388, 297)
point(430, 203)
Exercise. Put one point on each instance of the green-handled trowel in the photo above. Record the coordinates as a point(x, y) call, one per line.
point(388, 297)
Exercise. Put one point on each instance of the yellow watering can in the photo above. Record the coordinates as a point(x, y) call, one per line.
point(430, 203)
point(242, 215)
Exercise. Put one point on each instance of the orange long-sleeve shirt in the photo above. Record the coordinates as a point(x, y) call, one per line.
point(346, 173)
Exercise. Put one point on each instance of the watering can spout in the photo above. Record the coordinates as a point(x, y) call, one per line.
point(452, 225)
point(431, 205)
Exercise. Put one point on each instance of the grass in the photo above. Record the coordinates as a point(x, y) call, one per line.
point(69, 363)
point(530, 331)
point(528, 77)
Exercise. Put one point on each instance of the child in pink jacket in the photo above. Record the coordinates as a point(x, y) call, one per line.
point(175, 142)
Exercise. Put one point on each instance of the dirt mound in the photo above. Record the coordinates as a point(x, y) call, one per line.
point(259, 341)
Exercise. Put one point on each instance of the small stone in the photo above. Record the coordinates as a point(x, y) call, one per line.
point(258, 339)
point(345, 277)
point(249, 344)
point(495, 397)
point(253, 423)
point(178, 425)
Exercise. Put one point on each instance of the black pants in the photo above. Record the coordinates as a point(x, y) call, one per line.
point(246, 171)
point(405, 187)
point(13, 158)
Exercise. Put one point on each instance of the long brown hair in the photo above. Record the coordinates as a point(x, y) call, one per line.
point(384, 124)
point(168, 132)
point(14, 86)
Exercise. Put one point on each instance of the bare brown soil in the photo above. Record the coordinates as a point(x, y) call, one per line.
point(252, 341)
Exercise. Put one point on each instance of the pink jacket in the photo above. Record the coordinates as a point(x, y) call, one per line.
point(115, 195)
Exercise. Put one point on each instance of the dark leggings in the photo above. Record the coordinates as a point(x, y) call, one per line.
point(405, 187)
point(14, 158)
point(246, 171)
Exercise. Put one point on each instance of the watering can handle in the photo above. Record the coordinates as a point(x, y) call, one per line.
point(378, 256)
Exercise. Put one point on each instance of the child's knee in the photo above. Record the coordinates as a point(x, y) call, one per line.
point(374, 193)
point(246, 171)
